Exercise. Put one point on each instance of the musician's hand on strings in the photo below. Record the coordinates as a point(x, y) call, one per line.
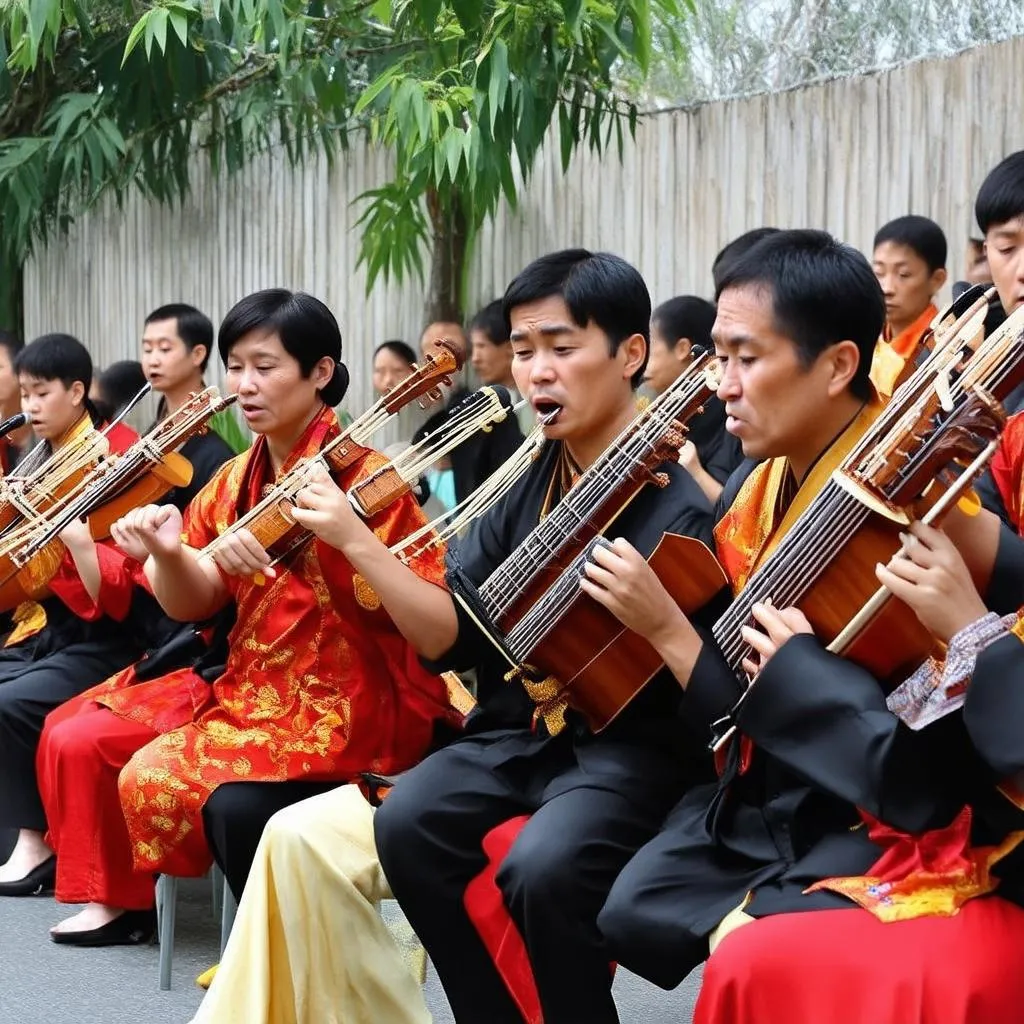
point(76, 536)
point(323, 508)
point(619, 578)
point(239, 553)
point(930, 575)
point(150, 530)
point(777, 626)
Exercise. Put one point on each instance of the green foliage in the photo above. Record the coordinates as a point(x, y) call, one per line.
point(467, 111)
point(225, 423)
point(99, 96)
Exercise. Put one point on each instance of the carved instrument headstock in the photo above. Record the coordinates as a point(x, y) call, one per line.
point(444, 359)
point(899, 473)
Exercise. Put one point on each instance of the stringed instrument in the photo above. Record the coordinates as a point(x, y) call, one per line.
point(576, 652)
point(47, 475)
point(531, 606)
point(31, 552)
point(477, 411)
point(270, 520)
point(44, 477)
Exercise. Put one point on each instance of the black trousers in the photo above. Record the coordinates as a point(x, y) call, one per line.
point(592, 809)
point(29, 691)
point(235, 815)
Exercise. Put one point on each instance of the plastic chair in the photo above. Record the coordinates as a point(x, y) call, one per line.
point(166, 911)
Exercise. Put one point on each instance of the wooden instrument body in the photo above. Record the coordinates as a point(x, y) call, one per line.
point(172, 471)
point(274, 528)
point(377, 492)
point(30, 582)
point(893, 643)
point(570, 546)
point(599, 664)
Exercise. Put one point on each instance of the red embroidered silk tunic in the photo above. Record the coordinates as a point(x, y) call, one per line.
point(319, 684)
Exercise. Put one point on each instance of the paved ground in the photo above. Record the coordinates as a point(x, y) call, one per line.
point(42, 983)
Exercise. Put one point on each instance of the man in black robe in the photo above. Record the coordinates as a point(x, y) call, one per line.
point(579, 329)
point(816, 741)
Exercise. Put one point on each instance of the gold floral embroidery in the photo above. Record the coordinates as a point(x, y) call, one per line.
point(366, 596)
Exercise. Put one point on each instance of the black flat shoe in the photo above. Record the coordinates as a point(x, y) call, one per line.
point(132, 928)
point(38, 882)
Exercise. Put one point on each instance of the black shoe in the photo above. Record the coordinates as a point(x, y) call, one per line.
point(38, 882)
point(132, 928)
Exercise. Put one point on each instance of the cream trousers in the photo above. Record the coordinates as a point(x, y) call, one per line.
point(308, 944)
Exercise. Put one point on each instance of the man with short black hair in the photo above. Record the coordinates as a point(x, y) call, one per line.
point(176, 345)
point(797, 322)
point(579, 328)
point(909, 260)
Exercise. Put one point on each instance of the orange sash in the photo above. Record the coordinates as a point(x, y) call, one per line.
point(755, 524)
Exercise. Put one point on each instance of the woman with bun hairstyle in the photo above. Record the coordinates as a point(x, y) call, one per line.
point(318, 684)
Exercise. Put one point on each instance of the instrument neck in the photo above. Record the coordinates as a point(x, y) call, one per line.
point(178, 397)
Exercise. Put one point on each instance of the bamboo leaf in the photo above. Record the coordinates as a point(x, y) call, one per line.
point(179, 22)
point(374, 89)
point(156, 29)
point(135, 36)
point(497, 84)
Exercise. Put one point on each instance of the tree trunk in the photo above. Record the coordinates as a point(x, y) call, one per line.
point(11, 310)
point(448, 257)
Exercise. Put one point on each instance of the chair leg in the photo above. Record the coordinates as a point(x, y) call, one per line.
point(217, 887)
point(227, 916)
point(166, 908)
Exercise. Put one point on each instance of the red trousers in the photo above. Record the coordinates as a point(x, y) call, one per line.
point(82, 750)
point(847, 967)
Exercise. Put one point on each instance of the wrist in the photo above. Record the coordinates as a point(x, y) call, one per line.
point(668, 630)
point(168, 559)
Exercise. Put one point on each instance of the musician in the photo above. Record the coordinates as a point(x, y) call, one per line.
point(797, 322)
point(393, 361)
point(299, 706)
point(999, 210)
point(579, 325)
point(61, 645)
point(77, 766)
point(113, 388)
point(491, 356)
point(909, 260)
point(491, 359)
point(927, 899)
point(710, 453)
point(177, 341)
point(10, 401)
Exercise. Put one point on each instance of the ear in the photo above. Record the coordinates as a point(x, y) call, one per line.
point(197, 355)
point(77, 392)
point(323, 371)
point(844, 358)
point(634, 349)
point(682, 349)
point(938, 279)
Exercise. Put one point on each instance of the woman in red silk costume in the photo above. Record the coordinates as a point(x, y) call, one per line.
point(318, 684)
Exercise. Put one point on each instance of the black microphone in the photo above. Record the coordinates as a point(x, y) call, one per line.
point(15, 422)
